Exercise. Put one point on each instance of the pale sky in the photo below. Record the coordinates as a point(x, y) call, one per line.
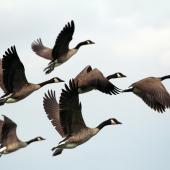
point(132, 37)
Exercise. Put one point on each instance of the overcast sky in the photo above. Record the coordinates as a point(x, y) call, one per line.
point(132, 37)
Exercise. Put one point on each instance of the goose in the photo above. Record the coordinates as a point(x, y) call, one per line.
point(13, 80)
point(89, 79)
point(67, 118)
point(152, 92)
point(8, 137)
point(60, 53)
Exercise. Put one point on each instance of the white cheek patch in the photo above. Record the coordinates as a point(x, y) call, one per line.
point(118, 75)
point(112, 121)
point(56, 80)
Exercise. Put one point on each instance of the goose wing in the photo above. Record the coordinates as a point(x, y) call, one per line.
point(51, 108)
point(62, 42)
point(13, 71)
point(41, 50)
point(1, 77)
point(83, 73)
point(1, 125)
point(70, 109)
point(96, 80)
point(9, 135)
point(153, 93)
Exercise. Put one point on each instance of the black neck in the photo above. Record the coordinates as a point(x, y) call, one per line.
point(128, 90)
point(31, 141)
point(80, 44)
point(165, 77)
point(112, 76)
point(103, 124)
point(46, 82)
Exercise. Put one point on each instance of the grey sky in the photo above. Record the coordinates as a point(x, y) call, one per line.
point(132, 37)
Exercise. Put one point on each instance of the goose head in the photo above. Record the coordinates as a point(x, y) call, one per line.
point(119, 75)
point(113, 121)
point(57, 80)
point(39, 138)
point(88, 42)
point(115, 75)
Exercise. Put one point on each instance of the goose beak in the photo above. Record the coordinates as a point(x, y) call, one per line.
point(118, 122)
point(92, 42)
point(123, 75)
point(61, 80)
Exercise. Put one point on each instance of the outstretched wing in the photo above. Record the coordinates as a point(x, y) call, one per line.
point(1, 77)
point(1, 125)
point(9, 135)
point(83, 73)
point(51, 108)
point(96, 80)
point(41, 50)
point(13, 71)
point(70, 109)
point(62, 42)
point(153, 93)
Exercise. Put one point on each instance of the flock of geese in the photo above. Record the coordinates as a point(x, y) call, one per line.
point(66, 115)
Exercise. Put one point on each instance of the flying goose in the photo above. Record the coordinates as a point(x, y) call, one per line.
point(67, 118)
point(8, 137)
point(13, 80)
point(89, 79)
point(60, 53)
point(152, 92)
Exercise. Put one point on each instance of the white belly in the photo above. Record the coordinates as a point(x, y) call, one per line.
point(67, 145)
point(70, 146)
point(11, 100)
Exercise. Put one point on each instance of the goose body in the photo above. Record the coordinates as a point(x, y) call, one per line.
point(152, 92)
point(60, 53)
point(13, 80)
point(8, 137)
point(89, 79)
point(67, 118)
point(83, 136)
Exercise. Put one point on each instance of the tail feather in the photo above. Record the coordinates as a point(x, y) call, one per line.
point(58, 151)
point(49, 69)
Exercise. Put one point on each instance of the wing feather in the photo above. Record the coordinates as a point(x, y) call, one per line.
point(70, 109)
point(51, 108)
point(62, 42)
point(1, 77)
point(153, 93)
point(9, 135)
point(13, 71)
point(96, 80)
point(41, 50)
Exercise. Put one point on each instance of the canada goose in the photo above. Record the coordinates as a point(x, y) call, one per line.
point(152, 92)
point(60, 52)
point(8, 137)
point(89, 79)
point(67, 118)
point(15, 84)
